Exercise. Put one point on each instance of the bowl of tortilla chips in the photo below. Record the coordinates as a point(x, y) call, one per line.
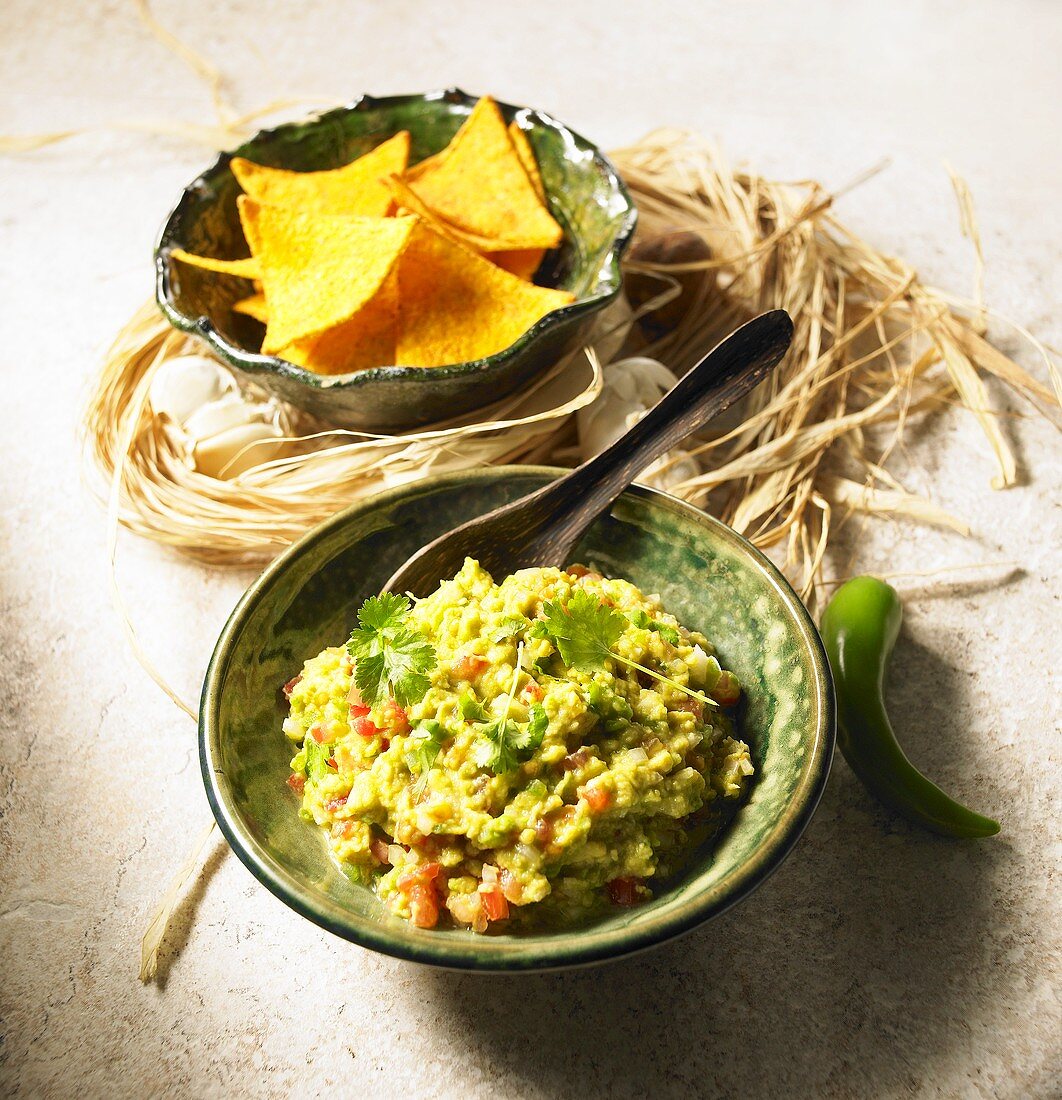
point(397, 261)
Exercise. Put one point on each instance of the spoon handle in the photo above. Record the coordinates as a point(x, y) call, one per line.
point(723, 376)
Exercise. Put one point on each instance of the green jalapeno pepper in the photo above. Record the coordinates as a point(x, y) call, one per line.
point(859, 629)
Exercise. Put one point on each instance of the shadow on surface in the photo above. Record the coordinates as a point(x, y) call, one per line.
point(853, 971)
point(182, 922)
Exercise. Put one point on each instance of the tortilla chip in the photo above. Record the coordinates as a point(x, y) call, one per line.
point(526, 153)
point(255, 307)
point(454, 306)
point(319, 269)
point(522, 262)
point(247, 268)
point(480, 185)
point(356, 188)
point(366, 340)
point(407, 199)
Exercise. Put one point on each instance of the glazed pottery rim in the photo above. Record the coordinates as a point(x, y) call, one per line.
point(256, 363)
point(566, 950)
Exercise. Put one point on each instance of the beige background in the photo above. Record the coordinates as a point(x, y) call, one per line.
point(879, 961)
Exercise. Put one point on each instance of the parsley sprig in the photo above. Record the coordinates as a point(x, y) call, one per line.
point(391, 655)
point(585, 631)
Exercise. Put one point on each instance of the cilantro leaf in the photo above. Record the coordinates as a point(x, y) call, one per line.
point(583, 630)
point(494, 749)
point(641, 620)
point(423, 748)
point(391, 656)
point(529, 739)
point(510, 627)
point(472, 710)
point(504, 745)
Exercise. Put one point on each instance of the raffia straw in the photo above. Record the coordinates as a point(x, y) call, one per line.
point(160, 920)
point(874, 347)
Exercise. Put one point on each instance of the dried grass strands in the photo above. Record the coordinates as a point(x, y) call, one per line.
point(873, 347)
point(249, 518)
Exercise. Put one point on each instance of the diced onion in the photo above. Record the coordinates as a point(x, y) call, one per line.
point(532, 855)
point(490, 872)
point(395, 854)
point(635, 756)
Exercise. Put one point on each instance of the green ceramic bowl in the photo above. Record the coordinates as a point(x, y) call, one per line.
point(707, 575)
point(585, 195)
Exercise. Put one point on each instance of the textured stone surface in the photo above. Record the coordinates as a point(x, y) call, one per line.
point(879, 961)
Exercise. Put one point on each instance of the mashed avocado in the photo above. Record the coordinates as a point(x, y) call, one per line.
point(535, 778)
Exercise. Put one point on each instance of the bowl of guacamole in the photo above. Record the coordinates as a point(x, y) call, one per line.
point(513, 773)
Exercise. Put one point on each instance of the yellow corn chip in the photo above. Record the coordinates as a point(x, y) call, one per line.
point(455, 306)
point(247, 268)
point(366, 340)
point(526, 153)
point(407, 199)
point(480, 185)
point(318, 269)
point(356, 188)
point(254, 306)
point(524, 262)
point(521, 262)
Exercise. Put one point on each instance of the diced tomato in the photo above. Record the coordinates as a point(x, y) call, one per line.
point(623, 891)
point(544, 831)
point(334, 804)
point(694, 706)
point(380, 850)
point(534, 691)
point(358, 710)
point(577, 570)
point(425, 873)
point(318, 734)
point(469, 667)
point(494, 903)
point(297, 782)
point(365, 727)
point(727, 691)
point(597, 798)
point(385, 744)
point(394, 718)
point(344, 829)
point(424, 906)
point(291, 685)
point(331, 763)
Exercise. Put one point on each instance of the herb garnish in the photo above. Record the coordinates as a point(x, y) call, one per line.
point(391, 655)
point(584, 630)
point(422, 750)
point(510, 627)
point(504, 744)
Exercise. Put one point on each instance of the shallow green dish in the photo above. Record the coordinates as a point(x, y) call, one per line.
point(708, 576)
point(585, 195)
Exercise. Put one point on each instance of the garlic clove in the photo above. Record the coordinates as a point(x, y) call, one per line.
point(182, 385)
point(228, 453)
point(229, 411)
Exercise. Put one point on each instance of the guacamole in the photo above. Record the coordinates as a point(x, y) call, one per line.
point(544, 749)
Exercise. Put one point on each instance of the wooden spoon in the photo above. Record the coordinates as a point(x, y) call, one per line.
point(541, 529)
